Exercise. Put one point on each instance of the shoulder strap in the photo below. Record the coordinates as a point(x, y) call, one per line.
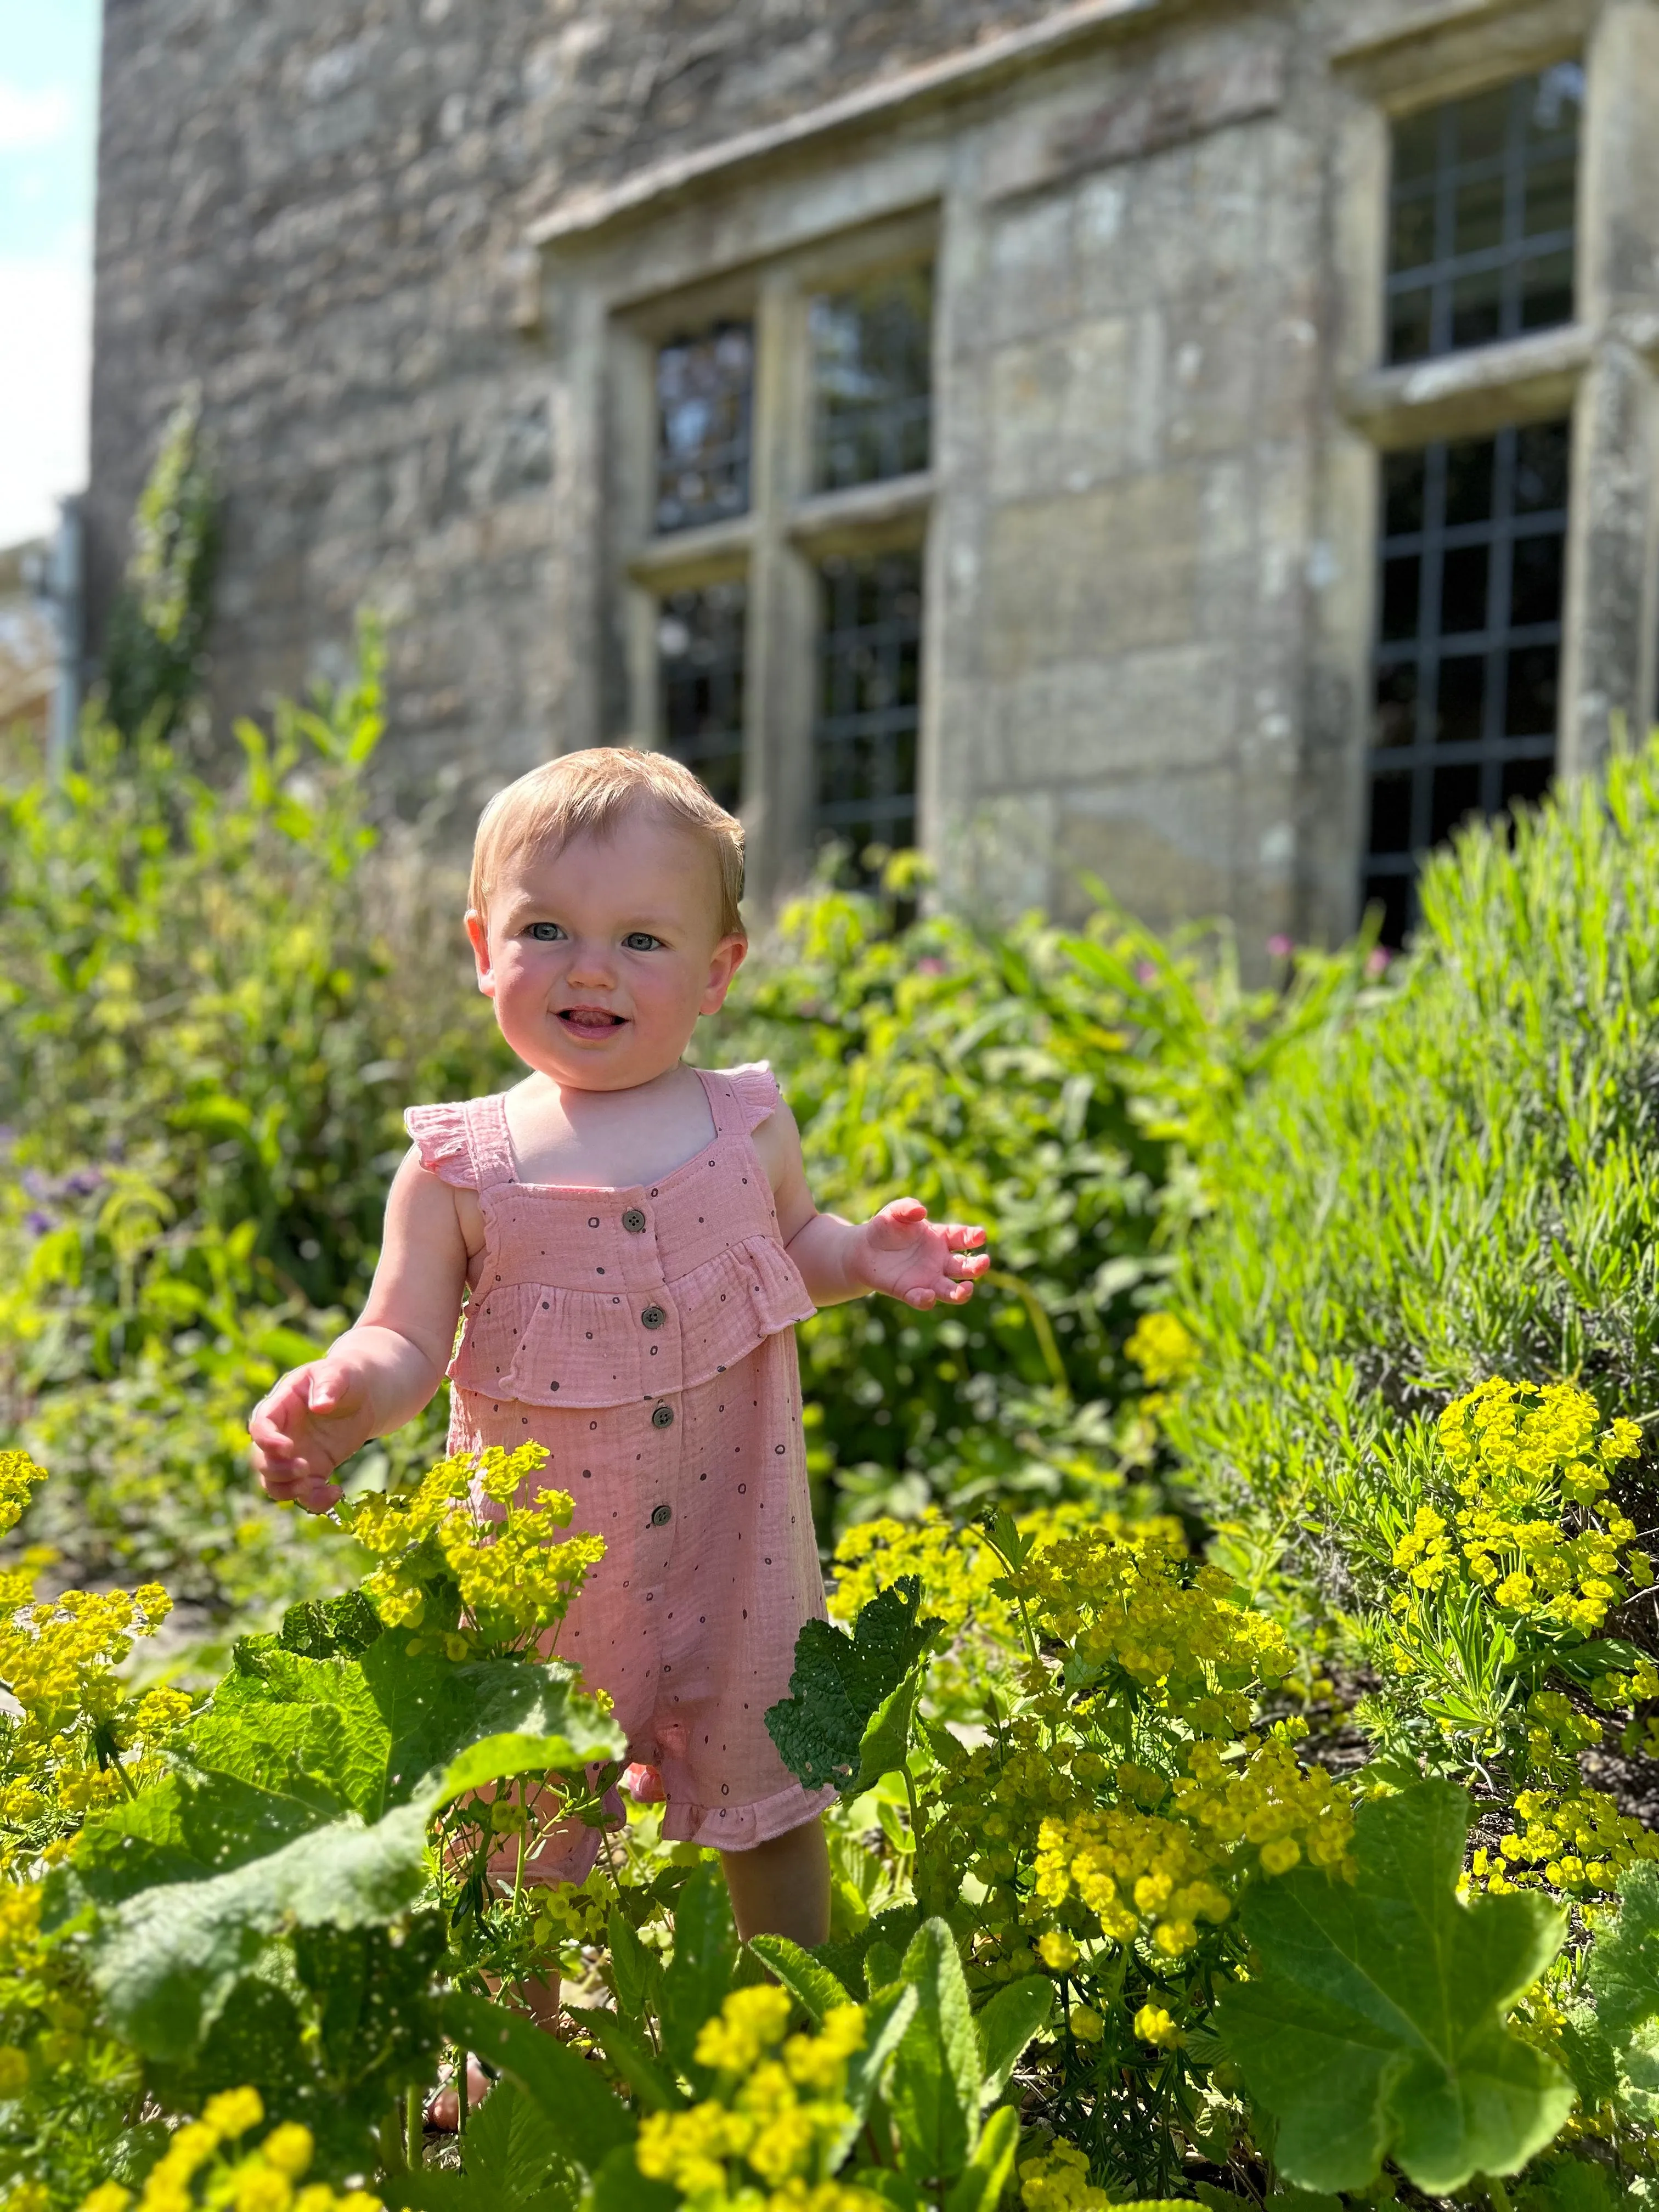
point(465, 1143)
point(492, 1145)
point(755, 1093)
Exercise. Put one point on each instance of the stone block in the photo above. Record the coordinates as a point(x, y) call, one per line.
point(1103, 572)
point(1162, 844)
point(1171, 707)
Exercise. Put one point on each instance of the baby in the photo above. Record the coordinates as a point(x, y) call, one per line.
point(634, 1240)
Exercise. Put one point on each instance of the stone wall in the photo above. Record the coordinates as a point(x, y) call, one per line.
point(317, 208)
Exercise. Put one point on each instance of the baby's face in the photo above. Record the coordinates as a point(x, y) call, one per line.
point(600, 958)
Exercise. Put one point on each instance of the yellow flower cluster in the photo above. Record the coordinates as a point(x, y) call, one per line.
point(202, 2166)
point(1134, 1603)
point(58, 1658)
point(1163, 1349)
point(1532, 1465)
point(778, 2113)
point(1285, 1811)
point(1057, 2181)
point(1133, 1871)
point(18, 1476)
point(959, 1572)
point(1576, 1840)
point(470, 1521)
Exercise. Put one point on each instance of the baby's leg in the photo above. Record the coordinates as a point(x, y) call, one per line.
point(783, 1887)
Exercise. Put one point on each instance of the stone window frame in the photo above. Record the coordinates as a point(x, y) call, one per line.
point(789, 527)
point(1598, 371)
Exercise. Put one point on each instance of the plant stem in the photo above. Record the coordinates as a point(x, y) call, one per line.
point(1498, 2194)
point(414, 2127)
point(392, 2155)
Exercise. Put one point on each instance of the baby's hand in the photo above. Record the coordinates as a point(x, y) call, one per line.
point(904, 1252)
point(315, 1417)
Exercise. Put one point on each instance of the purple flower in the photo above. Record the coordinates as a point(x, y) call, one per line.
point(1281, 947)
point(1146, 971)
point(84, 1183)
point(37, 1222)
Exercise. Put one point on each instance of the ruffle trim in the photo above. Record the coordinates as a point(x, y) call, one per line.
point(543, 1346)
point(440, 1135)
point(755, 1089)
point(740, 1827)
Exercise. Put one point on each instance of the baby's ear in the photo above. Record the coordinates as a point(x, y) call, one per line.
point(728, 957)
point(478, 933)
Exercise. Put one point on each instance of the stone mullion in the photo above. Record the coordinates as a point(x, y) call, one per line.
point(1607, 675)
point(779, 643)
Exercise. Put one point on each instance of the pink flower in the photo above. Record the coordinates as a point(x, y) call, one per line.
point(1281, 947)
point(1378, 961)
point(644, 1785)
point(1146, 971)
point(930, 966)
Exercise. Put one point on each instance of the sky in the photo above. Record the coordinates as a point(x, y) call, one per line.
point(48, 140)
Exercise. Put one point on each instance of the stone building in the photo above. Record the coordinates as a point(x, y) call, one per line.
point(1207, 447)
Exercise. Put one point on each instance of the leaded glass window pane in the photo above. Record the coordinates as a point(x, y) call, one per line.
point(1482, 215)
point(700, 658)
point(869, 702)
point(1469, 651)
point(705, 395)
point(873, 381)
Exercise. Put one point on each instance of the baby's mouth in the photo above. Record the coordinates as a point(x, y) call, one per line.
point(589, 1021)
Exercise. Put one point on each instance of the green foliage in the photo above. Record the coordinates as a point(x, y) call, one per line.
point(846, 1719)
point(1060, 1088)
point(1373, 2020)
point(157, 636)
point(214, 1004)
point(1449, 1179)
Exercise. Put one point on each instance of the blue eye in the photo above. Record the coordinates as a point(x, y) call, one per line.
point(544, 932)
point(639, 940)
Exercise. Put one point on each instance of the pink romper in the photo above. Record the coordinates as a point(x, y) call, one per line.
point(646, 1336)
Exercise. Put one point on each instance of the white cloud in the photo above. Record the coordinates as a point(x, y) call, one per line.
point(45, 310)
point(33, 119)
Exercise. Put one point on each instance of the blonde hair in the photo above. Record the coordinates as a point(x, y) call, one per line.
point(589, 794)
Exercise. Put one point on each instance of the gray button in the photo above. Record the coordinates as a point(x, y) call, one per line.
point(661, 1517)
point(634, 1221)
point(662, 1417)
point(653, 1317)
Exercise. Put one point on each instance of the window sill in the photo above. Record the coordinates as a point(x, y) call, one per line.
point(892, 512)
point(1471, 394)
point(708, 553)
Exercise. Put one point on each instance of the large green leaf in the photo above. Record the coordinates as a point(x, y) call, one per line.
point(588, 2122)
point(700, 1972)
point(934, 2093)
point(1007, 2024)
point(980, 2185)
point(1624, 1963)
point(626, 2048)
point(886, 2020)
point(841, 1683)
point(512, 2151)
point(165, 1959)
point(1373, 2022)
point(811, 1986)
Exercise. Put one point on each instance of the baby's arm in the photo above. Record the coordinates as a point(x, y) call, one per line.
point(380, 1373)
point(899, 1250)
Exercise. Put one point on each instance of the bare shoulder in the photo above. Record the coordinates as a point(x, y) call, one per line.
point(421, 1207)
point(777, 1145)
